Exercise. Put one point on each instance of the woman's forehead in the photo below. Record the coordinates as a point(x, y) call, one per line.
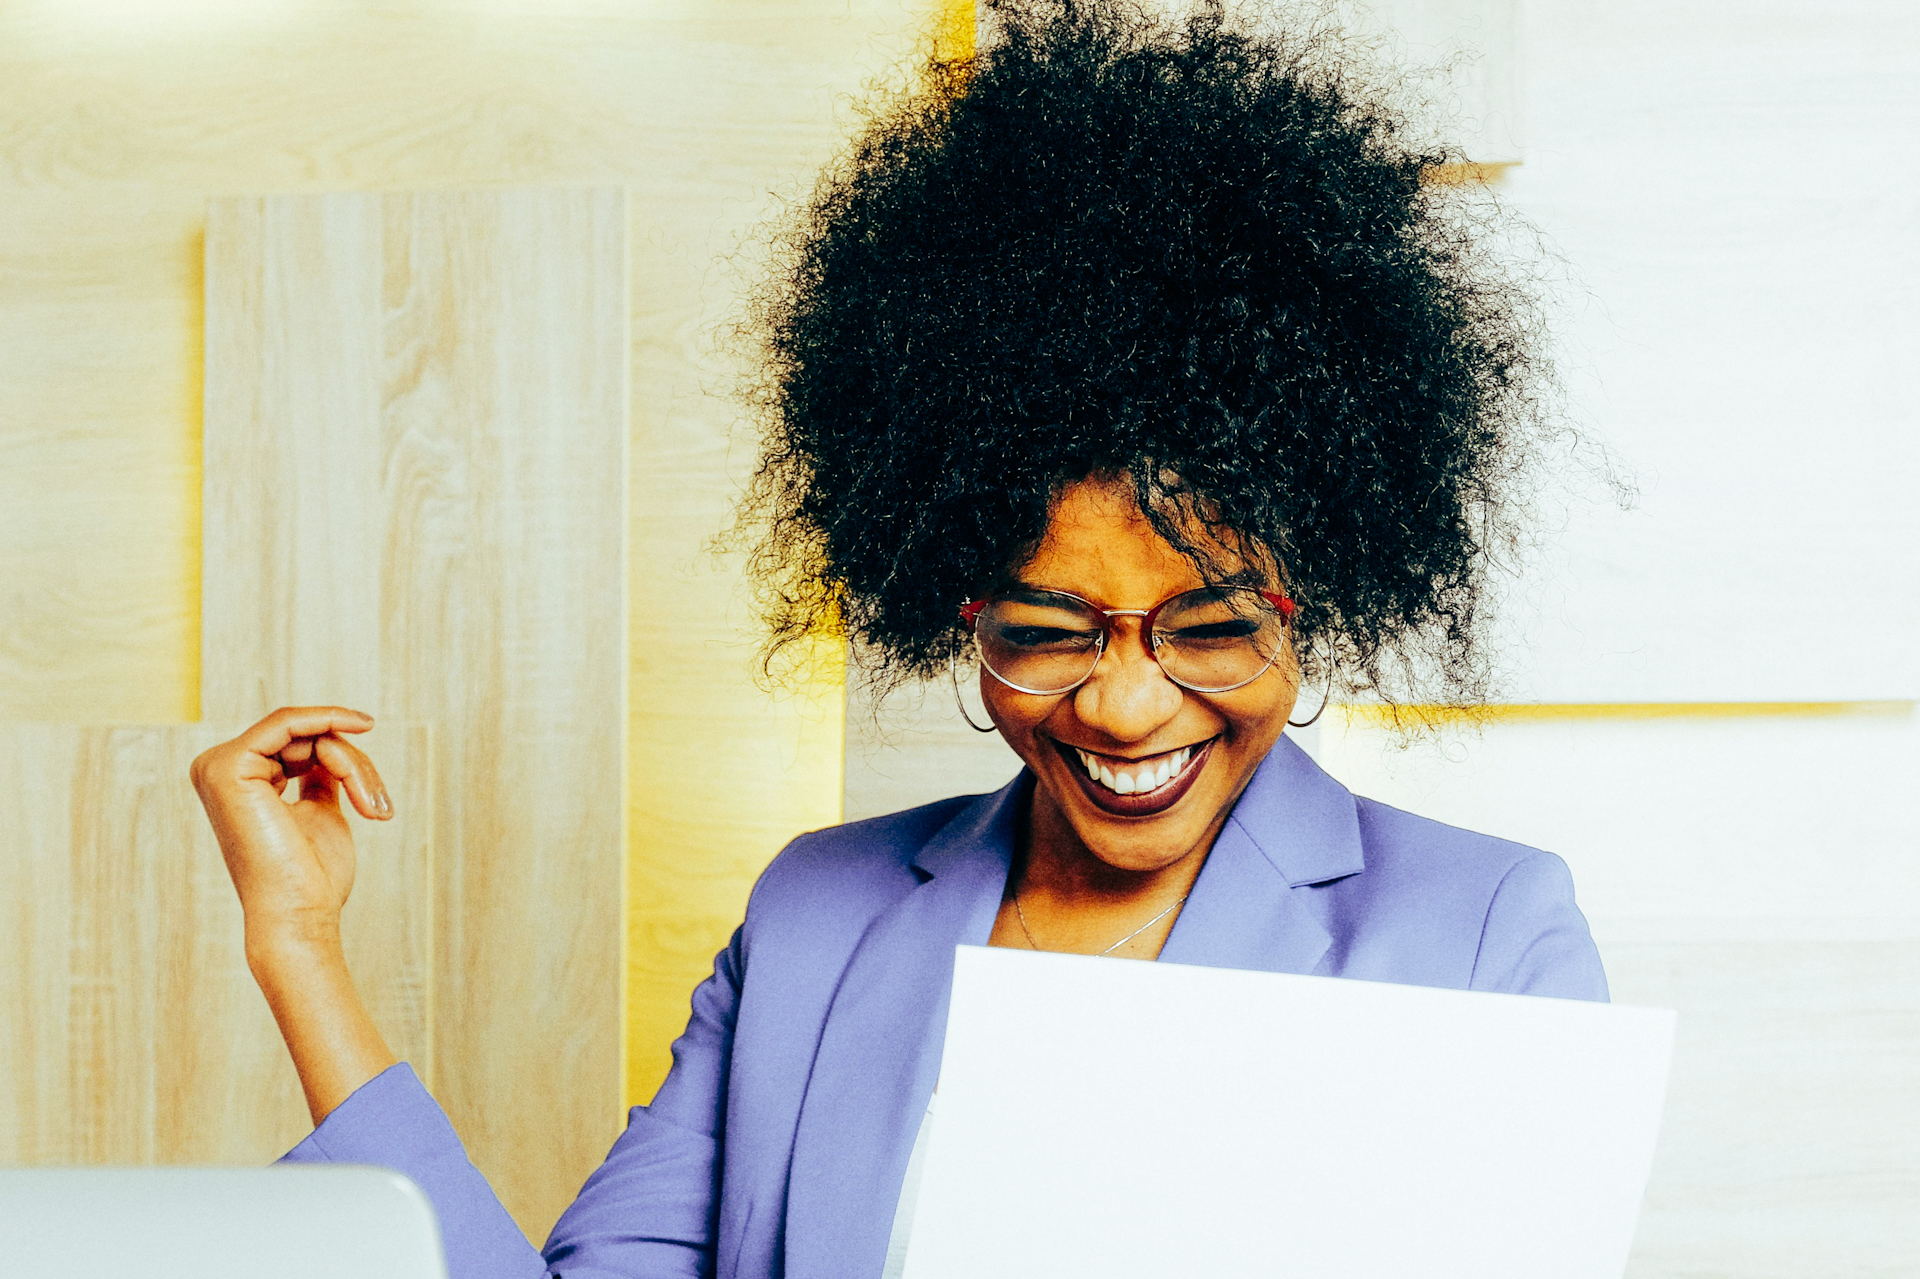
point(1100, 547)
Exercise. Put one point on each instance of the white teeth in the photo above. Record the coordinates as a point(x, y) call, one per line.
point(1137, 783)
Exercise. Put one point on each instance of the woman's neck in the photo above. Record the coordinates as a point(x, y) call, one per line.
point(1057, 867)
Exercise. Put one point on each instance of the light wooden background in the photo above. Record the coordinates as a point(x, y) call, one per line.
point(130, 1029)
point(415, 499)
point(122, 121)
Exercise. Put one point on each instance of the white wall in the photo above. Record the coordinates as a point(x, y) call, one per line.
point(914, 748)
point(1732, 184)
point(1761, 873)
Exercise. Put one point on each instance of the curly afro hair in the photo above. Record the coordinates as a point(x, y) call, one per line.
point(1192, 257)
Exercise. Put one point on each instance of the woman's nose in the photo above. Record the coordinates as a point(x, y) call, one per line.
point(1128, 696)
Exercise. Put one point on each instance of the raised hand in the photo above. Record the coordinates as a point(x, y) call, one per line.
point(292, 865)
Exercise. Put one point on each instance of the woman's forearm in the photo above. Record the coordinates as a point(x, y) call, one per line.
point(334, 1044)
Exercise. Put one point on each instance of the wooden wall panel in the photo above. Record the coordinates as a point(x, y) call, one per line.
point(99, 451)
point(133, 1032)
point(293, 510)
point(36, 891)
point(123, 120)
point(416, 505)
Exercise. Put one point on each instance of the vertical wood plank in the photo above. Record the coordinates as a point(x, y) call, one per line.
point(116, 914)
point(290, 580)
point(100, 432)
point(133, 1031)
point(416, 464)
point(36, 889)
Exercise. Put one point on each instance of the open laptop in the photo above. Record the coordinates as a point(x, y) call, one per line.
point(314, 1221)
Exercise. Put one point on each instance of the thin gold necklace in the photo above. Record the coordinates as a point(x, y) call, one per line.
point(1021, 915)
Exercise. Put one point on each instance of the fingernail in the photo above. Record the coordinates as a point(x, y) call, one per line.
point(386, 804)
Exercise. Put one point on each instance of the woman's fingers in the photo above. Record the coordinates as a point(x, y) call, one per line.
point(292, 864)
point(350, 765)
point(297, 757)
point(284, 746)
point(278, 731)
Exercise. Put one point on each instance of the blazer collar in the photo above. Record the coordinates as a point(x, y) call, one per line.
point(1300, 819)
point(988, 824)
point(1293, 827)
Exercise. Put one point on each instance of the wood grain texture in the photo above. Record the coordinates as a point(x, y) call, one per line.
point(132, 1031)
point(116, 126)
point(416, 504)
point(99, 453)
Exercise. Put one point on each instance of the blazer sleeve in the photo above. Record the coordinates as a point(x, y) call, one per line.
point(647, 1212)
point(1535, 941)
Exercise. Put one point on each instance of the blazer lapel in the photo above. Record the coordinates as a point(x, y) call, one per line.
point(879, 1055)
point(1293, 827)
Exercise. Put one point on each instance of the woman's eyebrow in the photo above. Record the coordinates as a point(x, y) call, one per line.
point(1247, 575)
point(1017, 587)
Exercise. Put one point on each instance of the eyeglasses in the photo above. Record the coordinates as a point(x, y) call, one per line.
point(1210, 640)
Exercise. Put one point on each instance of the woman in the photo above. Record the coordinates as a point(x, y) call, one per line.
point(1139, 364)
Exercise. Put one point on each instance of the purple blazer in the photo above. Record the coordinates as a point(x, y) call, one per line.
point(778, 1143)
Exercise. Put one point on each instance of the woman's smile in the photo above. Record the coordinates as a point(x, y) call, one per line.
point(1136, 786)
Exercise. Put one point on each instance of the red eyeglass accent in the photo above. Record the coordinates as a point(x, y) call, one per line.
point(970, 613)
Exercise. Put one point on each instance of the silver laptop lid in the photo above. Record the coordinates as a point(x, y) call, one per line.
point(312, 1221)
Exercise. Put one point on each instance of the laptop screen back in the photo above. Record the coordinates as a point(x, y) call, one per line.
point(292, 1222)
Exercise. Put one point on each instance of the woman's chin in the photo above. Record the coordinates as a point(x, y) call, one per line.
point(1138, 861)
point(1139, 845)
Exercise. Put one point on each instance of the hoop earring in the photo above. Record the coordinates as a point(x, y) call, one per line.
point(953, 672)
point(1325, 696)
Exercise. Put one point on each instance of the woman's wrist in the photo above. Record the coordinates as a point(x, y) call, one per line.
point(301, 968)
point(293, 942)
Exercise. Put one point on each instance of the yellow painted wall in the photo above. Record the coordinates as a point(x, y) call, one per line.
point(123, 117)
